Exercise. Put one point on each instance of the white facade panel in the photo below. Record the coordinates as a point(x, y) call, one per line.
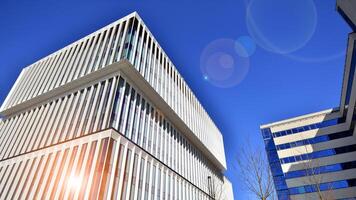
point(124, 37)
point(112, 111)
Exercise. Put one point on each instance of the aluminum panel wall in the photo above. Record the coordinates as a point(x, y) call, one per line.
point(127, 38)
point(109, 102)
point(102, 165)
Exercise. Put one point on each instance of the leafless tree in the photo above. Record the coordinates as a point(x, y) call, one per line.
point(313, 175)
point(216, 189)
point(253, 169)
point(315, 179)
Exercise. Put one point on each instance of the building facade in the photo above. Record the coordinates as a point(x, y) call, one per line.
point(109, 117)
point(314, 156)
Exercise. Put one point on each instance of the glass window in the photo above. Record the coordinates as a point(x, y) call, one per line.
point(140, 181)
point(115, 110)
point(126, 174)
point(124, 108)
point(154, 176)
point(117, 173)
point(133, 178)
point(147, 183)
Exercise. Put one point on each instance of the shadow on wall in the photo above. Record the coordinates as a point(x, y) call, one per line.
point(324, 161)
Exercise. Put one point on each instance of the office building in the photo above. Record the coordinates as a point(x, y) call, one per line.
point(109, 117)
point(314, 156)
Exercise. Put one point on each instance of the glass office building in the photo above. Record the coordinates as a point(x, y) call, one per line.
point(314, 156)
point(109, 117)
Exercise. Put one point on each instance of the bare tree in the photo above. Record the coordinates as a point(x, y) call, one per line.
point(315, 179)
point(253, 169)
point(216, 189)
point(313, 175)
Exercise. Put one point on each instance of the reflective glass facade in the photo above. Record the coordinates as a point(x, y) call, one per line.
point(315, 140)
point(320, 154)
point(314, 155)
point(323, 187)
point(275, 165)
point(281, 177)
point(321, 169)
point(323, 124)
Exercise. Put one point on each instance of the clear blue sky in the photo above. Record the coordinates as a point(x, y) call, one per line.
point(287, 60)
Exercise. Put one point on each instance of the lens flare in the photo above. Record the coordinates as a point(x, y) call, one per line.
point(74, 182)
point(281, 26)
point(248, 44)
point(221, 65)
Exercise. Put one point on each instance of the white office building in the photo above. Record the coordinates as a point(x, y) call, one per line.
point(109, 117)
point(314, 156)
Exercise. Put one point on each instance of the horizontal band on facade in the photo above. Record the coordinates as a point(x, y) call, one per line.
point(127, 69)
point(109, 133)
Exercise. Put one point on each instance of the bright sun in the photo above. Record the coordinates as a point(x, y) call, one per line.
point(74, 182)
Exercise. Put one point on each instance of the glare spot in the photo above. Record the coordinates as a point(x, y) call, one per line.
point(74, 182)
point(245, 46)
point(226, 61)
point(221, 65)
point(281, 26)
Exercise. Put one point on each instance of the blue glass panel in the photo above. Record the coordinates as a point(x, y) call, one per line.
point(318, 139)
point(323, 187)
point(320, 154)
point(283, 195)
point(275, 166)
point(307, 127)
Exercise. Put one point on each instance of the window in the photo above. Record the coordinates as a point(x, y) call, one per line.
point(318, 139)
point(140, 180)
point(147, 183)
point(124, 108)
point(116, 106)
point(133, 178)
point(320, 154)
point(126, 175)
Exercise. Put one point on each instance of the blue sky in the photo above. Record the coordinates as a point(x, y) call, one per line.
point(248, 62)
